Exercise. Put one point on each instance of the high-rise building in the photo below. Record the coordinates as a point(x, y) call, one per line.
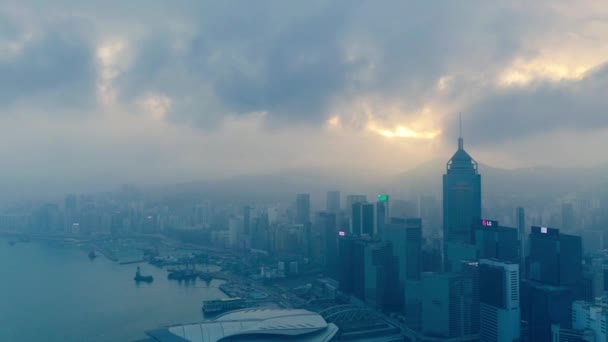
point(445, 306)
point(327, 225)
point(543, 306)
point(555, 258)
point(351, 272)
point(368, 271)
point(352, 199)
point(461, 196)
point(235, 228)
point(203, 214)
point(496, 242)
point(593, 240)
point(413, 249)
point(457, 252)
point(333, 202)
point(521, 234)
point(470, 284)
point(461, 199)
point(362, 221)
point(592, 317)
point(430, 212)
point(568, 223)
point(593, 278)
point(561, 334)
point(302, 208)
point(382, 214)
point(405, 239)
point(381, 277)
point(260, 232)
point(246, 220)
point(554, 270)
point(404, 208)
point(499, 301)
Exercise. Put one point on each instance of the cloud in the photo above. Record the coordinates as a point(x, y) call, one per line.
point(300, 63)
point(53, 66)
point(517, 112)
point(158, 84)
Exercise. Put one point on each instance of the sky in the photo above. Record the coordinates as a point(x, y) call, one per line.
point(111, 92)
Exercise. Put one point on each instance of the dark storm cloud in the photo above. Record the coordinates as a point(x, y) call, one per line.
point(301, 69)
point(294, 61)
point(521, 111)
point(248, 61)
point(54, 67)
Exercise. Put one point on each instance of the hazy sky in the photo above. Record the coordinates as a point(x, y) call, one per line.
point(151, 91)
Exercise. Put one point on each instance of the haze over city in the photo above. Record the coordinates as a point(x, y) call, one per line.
point(304, 171)
point(97, 95)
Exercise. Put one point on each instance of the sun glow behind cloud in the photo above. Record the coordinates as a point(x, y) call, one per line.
point(401, 131)
point(111, 62)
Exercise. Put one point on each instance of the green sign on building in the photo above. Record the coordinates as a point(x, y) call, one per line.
point(382, 198)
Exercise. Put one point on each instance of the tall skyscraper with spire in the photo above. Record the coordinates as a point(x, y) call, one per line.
point(461, 196)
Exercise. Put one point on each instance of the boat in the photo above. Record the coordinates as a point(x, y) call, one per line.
point(187, 273)
point(92, 255)
point(139, 277)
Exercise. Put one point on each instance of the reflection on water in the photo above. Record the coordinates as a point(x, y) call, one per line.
point(54, 292)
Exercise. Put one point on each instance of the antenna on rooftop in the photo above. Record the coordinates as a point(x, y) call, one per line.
point(460, 140)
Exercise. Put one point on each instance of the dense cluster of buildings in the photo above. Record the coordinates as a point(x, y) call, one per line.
point(494, 283)
point(449, 275)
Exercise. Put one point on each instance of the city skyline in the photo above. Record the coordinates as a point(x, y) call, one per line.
point(297, 171)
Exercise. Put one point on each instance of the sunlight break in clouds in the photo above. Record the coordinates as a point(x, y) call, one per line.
point(111, 62)
point(403, 132)
point(522, 73)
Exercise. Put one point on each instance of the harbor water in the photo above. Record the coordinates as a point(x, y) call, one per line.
point(53, 292)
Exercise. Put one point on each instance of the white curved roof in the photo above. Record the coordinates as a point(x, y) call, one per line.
point(260, 314)
point(243, 325)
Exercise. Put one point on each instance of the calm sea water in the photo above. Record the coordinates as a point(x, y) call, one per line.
point(50, 292)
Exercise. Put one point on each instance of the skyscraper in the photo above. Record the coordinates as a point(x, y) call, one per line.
point(352, 199)
point(246, 219)
point(381, 277)
point(542, 306)
point(405, 240)
point(461, 196)
point(521, 229)
point(362, 221)
point(499, 301)
point(351, 272)
point(382, 214)
point(327, 225)
point(554, 269)
point(568, 223)
point(555, 258)
point(496, 242)
point(446, 306)
point(333, 202)
point(302, 208)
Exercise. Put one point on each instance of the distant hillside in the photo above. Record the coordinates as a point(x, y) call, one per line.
point(533, 184)
point(281, 186)
point(537, 182)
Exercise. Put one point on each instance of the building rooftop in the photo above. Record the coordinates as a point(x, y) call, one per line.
point(252, 325)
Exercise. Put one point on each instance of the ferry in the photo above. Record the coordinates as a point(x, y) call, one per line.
point(139, 277)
